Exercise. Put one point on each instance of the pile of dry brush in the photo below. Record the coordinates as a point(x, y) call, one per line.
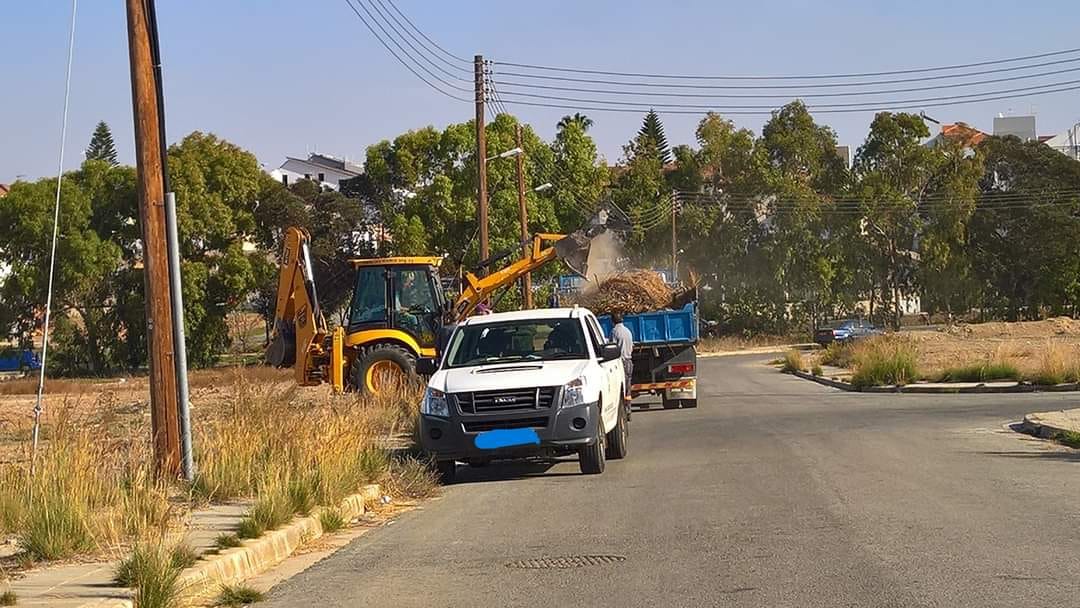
point(630, 292)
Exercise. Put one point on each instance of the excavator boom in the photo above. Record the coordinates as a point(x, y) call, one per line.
point(299, 327)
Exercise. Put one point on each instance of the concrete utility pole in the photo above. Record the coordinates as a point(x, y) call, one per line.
point(151, 191)
point(523, 217)
point(481, 156)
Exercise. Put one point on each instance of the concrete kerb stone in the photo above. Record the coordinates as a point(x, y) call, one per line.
point(257, 555)
point(941, 389)
point(1049, 425)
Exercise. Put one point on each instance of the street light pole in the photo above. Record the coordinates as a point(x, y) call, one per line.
point(523, 218)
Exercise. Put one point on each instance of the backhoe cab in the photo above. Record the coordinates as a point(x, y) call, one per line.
point(397, 312)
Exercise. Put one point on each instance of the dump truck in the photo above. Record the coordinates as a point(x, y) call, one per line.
point(398, 310)
point(665, 352)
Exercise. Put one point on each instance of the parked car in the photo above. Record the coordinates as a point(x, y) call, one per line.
point(521, 384)
point(845, 330)
point(19, 360)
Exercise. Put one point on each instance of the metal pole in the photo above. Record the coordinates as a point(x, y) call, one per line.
point(38, 407)
point(523, 216)
point(151, 195)
point(481, 155)
point(179, 341)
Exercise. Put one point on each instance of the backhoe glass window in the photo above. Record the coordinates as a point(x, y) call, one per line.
point(415, 309)
point(369, 298)
point(526, 340)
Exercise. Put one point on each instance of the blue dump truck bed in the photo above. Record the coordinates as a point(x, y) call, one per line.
point(659, 327)
point(665, 353)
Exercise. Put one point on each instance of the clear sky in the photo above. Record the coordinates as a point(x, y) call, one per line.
point(283, 77)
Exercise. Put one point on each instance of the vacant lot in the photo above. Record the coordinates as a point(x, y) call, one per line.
point(118, 409)
point(1028, 346)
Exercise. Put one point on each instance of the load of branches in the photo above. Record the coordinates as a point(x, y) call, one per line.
point(630, 292)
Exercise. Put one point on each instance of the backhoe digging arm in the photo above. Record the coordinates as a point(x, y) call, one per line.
point(300, 331)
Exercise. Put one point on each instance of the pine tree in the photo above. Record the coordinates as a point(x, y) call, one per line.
point(101, 145)
point(653, 129)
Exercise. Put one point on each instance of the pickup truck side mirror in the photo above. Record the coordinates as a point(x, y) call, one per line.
point(426, 366)
point(610, 352)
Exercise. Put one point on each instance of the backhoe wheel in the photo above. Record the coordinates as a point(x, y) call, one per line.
point(381, 368)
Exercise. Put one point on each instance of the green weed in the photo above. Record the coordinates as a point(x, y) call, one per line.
point(238, 595)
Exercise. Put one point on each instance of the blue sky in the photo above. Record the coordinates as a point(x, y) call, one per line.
point(286, 77)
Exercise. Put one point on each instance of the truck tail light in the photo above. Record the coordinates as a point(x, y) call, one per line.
point(681, 368)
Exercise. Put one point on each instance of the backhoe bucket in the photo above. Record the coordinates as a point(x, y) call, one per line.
point(573, 250)
point(577, 249)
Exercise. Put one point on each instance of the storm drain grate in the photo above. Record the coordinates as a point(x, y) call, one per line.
point(571, 561)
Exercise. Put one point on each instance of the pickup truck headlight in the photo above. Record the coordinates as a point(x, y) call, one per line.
point(435, 404)
point(573, 393)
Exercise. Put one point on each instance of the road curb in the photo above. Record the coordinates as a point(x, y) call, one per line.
point(916, 389)
point(761, 350)
point(1034, 425)
point(257, 555)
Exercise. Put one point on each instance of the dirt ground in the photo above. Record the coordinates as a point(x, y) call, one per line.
point(118, 407)
point(1023, 344)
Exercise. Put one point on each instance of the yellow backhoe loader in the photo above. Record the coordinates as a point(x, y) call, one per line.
point(398, 309)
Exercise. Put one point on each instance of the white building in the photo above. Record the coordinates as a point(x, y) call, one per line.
point(329, 171)
point(1068, 143)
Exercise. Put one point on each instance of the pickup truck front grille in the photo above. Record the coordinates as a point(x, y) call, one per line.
point(491, 425)
point(484, 402)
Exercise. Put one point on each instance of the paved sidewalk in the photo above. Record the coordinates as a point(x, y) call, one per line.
point(82, 584)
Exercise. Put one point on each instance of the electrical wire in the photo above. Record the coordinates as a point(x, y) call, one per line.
point(419, 31)
point(403, 62)
point(860, 105)
point(803, 86)
point(789, 77)
point(38, 408)
point(904, 105)
point(451, 64)
point(405, 38)
point(787, 95)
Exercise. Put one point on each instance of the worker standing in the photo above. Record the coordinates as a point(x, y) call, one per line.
point(622, 337)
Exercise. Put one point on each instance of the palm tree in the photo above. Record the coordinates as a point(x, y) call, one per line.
point(578, 118)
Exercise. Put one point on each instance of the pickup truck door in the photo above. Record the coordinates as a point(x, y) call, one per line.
point(611, 371)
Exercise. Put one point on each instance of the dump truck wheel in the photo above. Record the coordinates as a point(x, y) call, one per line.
point(382, 368)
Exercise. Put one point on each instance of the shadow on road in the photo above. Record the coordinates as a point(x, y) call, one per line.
point(507, 470)
point(1073, 456)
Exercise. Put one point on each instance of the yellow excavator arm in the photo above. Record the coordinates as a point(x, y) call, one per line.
point(572, 249)
point(299, 334)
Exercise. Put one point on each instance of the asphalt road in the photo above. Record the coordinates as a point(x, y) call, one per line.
point(774, 492)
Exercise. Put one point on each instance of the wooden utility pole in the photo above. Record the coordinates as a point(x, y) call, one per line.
point(481, 159)
point(151, 191)
point(674, 245)
point(523, 217)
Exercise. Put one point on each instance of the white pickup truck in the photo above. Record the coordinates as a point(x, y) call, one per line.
point(522, 384)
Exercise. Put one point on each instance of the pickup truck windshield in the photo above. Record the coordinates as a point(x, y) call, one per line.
point(526, 340)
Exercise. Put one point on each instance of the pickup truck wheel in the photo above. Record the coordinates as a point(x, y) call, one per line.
point(619, 437)
point(382, 367)
point(447, 471)
point(591, 457)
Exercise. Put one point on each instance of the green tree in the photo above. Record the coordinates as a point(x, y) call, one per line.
point(1024, 230)
point(653, 129)
point(803, 175)
point(894, 172)
point(578, 178)
point(101, 145)
point(578, 118)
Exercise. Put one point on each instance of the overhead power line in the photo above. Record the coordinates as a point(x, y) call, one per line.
point(381, 19)
point(426, 50)
point(425, 36)
point(598, 105)
point(651, 93)
point(943, 68)
point(402, 61)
